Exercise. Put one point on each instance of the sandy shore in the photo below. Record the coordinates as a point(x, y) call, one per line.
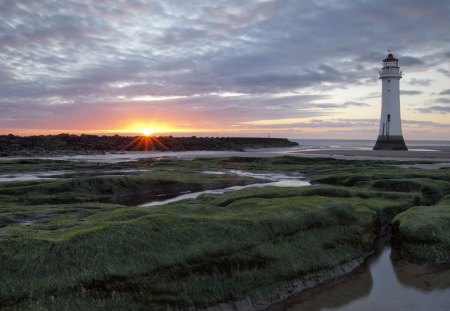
point(433, 154)
point(429, 156)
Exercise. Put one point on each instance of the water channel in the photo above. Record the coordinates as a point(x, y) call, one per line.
point(271, 180)
point(383, 283)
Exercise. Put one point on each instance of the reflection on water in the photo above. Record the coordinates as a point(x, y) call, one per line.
point(39, 175)
point(274, 180)
point(383, 284)
point(31, 176)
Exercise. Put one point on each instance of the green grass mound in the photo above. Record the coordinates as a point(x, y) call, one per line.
point(79, 241)
point(116, 189)
point(423, 233)
point(193, 253)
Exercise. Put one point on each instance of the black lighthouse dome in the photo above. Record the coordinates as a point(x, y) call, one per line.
point(390, 61)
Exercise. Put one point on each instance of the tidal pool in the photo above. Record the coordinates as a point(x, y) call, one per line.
point(273, 180)
point(38, 175)
point(383, 283)
point(31, 176)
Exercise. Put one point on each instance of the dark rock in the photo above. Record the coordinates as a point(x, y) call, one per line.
point(66, 144)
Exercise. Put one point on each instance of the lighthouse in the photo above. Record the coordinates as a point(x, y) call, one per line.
point(390, 136)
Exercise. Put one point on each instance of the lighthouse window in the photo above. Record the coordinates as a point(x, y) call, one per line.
point(389, 81)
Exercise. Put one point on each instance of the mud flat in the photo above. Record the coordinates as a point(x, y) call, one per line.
point(436, 154)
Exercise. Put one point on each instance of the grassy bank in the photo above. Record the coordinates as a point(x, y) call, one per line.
point(423, 233)
point(74, 243)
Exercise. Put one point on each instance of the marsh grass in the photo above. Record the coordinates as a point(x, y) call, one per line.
point(73, 243)
point(423, 233)
point(131, 189)
point(210, 255)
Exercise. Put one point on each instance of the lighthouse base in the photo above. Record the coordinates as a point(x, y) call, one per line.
point(390, 143)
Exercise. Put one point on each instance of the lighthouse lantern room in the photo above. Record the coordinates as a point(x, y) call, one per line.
point(390, 135)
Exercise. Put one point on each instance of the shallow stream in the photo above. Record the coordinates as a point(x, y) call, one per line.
point(272, 180)
point(383, 283)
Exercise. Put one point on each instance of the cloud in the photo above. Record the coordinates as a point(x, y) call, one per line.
point(85, 60)
point(444, 71)
point(421, 123)
point(410, 92)
point(411, 61)
point(420, 82)
point(214, 108)
point(442, 100)
point(344, 105)
point(435, 109)
point(445, 92)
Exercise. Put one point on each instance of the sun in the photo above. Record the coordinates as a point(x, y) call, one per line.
point(147, 132)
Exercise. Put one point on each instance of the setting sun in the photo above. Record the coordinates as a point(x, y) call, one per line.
point(147, 132)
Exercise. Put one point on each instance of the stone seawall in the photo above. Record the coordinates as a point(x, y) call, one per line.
point(63, 144)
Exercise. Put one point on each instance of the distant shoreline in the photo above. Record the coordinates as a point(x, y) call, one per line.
point(435, 155)
point(121, 148)
point(67, 144)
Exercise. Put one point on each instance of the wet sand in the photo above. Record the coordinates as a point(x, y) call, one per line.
point(436, 156)
point(431, 155)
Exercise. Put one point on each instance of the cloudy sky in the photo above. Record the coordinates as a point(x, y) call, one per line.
point(291, 68)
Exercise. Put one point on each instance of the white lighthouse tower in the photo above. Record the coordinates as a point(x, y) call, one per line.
point(390, 136)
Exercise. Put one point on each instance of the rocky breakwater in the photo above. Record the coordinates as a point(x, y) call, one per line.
point(66, 144)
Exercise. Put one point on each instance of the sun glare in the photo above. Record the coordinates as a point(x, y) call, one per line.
point(147, 132)
point(149, 129)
